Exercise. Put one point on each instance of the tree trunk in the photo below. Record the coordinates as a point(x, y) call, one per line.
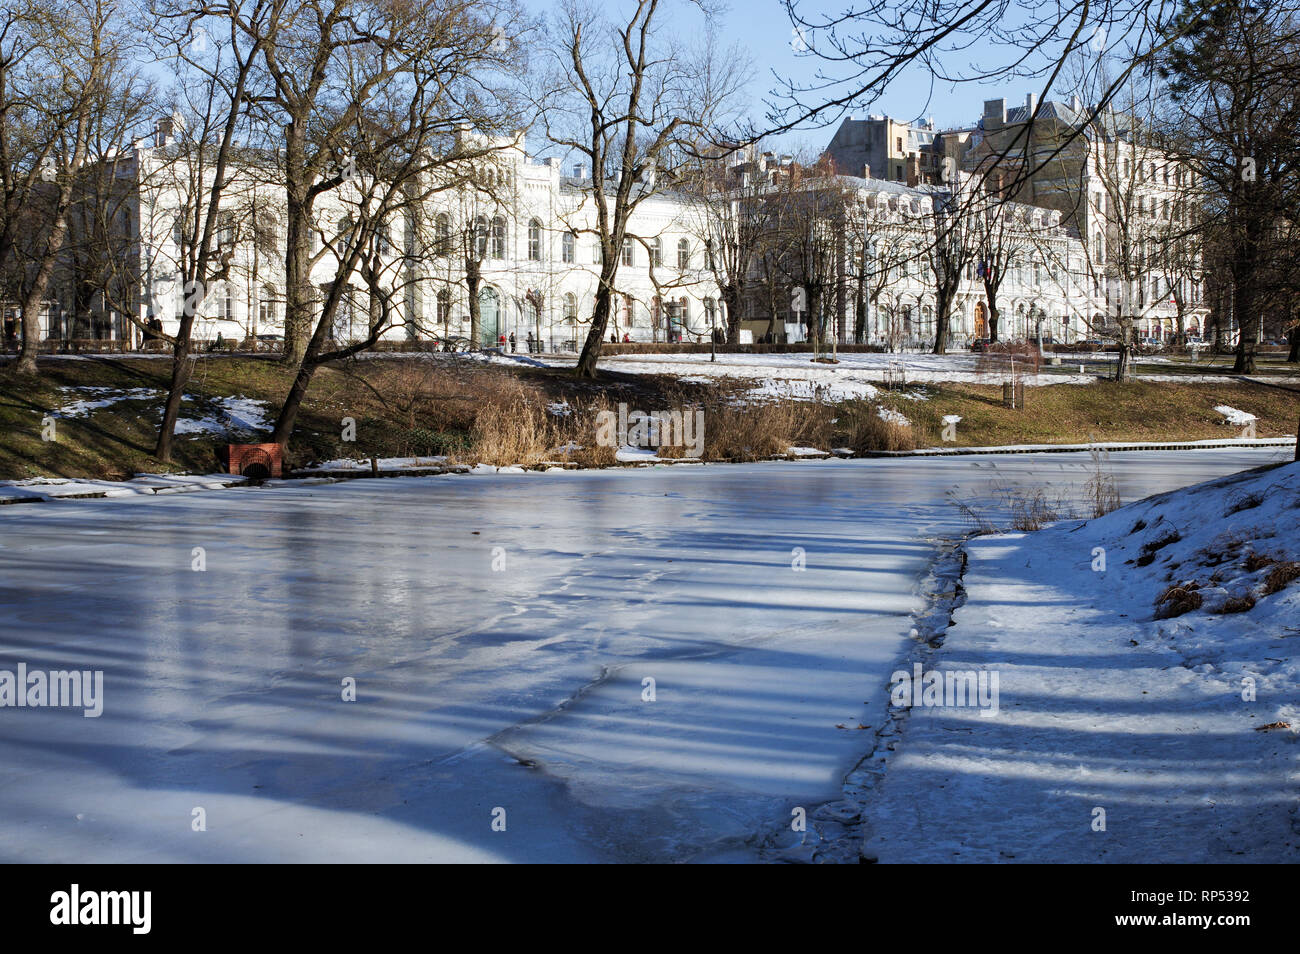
point(1247, 329)
point(942, 306)
point(1293, 338)
point(599, 319)
point(292, 404)
point(31, 306)
point(472, 282)
point(299, 297)
point(1125, 358)
point(182, 366)
point(731, 299)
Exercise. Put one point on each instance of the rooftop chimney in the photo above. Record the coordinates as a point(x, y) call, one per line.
point(1031, 103)
point(995, 112)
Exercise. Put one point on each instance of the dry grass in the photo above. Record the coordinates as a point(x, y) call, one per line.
point(1280, 576)
point(1178, 600)
point(865, 430)
point(1031, 511)
point(1257, 561)
point(1100, 490)
point(760, 431)
point(1237, 604)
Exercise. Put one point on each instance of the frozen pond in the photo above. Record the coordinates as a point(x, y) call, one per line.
point(502, 632)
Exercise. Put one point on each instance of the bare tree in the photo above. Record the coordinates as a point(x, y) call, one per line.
point(63, 72)
point(951, 216)
point(376, 99)
point(637, 104)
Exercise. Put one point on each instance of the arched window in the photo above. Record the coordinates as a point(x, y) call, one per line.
point(570, 308)
point(227, 302)
point(683, 254)
point(568, 247)
point(480, 237)
point(442, 235)
point(498, 236)
point(266, 306)
point(656, 252)
point(534, 240)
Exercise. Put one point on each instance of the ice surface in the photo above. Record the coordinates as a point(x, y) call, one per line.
point(522, 688)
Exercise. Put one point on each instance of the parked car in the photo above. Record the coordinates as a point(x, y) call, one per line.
point(979, 345)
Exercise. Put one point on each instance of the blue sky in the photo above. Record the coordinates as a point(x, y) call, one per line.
point(763, 27)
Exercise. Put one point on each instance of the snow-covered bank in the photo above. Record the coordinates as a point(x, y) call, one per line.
point(1124, 733)
point(58, 488)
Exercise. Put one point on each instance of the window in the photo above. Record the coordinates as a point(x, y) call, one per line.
point(226, 229)
point(534, 240)
point(227, 303)
point(570, 308)
point(657, 252)
point(568, 247)
point(480, 237)
point(683, 254)
point(629, 255)
point(265, 234)
point(498, 237)
point(266, 306)
point(444, 307)
point(442, 235)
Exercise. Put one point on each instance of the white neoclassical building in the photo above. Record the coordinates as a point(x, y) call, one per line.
point(530, 226)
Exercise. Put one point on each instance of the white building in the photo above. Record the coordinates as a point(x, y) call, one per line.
point(532, 226)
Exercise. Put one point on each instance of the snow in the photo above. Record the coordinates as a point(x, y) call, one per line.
point(627, 454)
point(1235, 416)
point(102, 397)
point(522, 688)
point(857, 371)
point(234, 414)
point(1261, 442)
point(55, 488)
point(1106, 705)
point(349, 465)
point(890, 416)
point(796, 389)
